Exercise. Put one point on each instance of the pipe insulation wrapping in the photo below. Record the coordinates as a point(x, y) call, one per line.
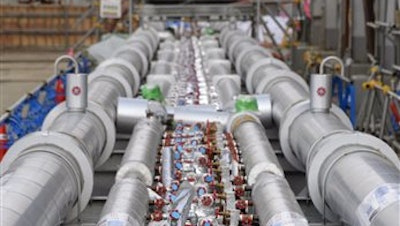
point(127, 201)
point(257, 153)
point(43, 177)
point(62, 157)
point(140, 155)
point(351, 176)
point(127, 204)
point(274, 200)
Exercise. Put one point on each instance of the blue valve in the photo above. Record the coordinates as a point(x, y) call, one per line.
point(178, 165)
point(177, 155)
point(172, 197)
point(194, 142)
point(179, 148)
point(175, 215)
point(202, 150)
point(175, 186)
point(201, 191)
point(208, 178)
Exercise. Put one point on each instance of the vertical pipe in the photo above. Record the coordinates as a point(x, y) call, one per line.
point(77, 92)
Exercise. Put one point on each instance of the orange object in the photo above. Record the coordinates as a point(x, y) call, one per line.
point(3, 141)
point(60, 91)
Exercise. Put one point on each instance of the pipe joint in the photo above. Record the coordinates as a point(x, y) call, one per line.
point(107, 124)
point(270, 63)
point(326, 152)
point(69, 149)
point(289, 117)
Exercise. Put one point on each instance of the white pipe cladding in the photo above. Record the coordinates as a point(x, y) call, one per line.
point(274, 201)
point(47, 177)
point(127, 202)
point(352, 176)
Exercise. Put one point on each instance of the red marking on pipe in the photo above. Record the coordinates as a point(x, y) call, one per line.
point(76, 90)
point(321, 91)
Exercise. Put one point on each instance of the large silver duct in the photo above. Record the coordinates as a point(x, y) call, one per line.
point(47, 176)
point(274, 200)
point(127, 202)
point(352, 176)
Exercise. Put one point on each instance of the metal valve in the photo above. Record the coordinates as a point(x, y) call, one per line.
point(321, 87)
point(76, 90)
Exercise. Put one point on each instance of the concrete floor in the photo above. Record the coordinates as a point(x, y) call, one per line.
point(21, 71)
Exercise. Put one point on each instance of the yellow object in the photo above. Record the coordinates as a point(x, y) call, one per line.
point(374, 69)
point(386, 89)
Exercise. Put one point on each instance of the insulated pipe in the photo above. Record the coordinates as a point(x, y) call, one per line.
point(274, 201)
point(257, 153)
point(127, 202)
point(167, 167)
point(140, 155)
point(351, 176)
point(130, 111)
point(71, 145)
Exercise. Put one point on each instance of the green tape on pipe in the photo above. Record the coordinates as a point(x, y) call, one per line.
point(246, 103)
point(152, 93)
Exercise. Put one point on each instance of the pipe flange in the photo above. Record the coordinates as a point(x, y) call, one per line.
point(219, 52)
point(264, 113)
point(138, 39)
point(223, 33)
point(133, 169)
point(143, 58)
point(235, 43)
point(289, 117)
point(232, 77)
point(153, 37)
point(209, 44)
point(225, 37)
point(278, 75)
point(98, 111)
point(119, 78)
point(226, 64)
point(126, 64)
point(269, 62)
point(162, 53)
point(156, 36)
point(235, 120)
point(173, 66)
point(243, 54)
point(71, 147)
point(207, 37)
point(262, 167)
point(330, 144)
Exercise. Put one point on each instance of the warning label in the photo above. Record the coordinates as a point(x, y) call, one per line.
point(110, 9)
